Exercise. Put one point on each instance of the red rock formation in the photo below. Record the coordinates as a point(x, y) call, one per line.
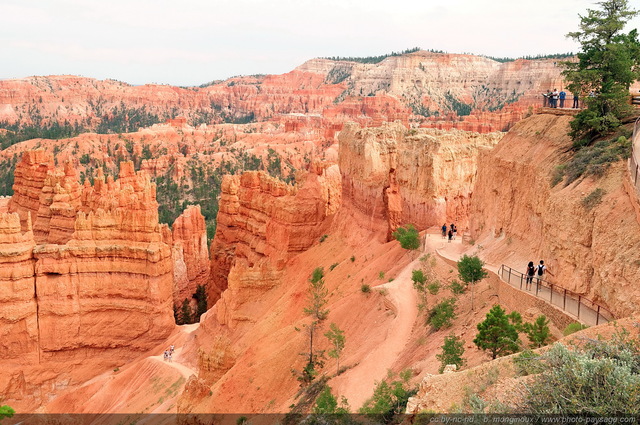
point(391, 176)
point(190, 254)
point(518, 217)
point(262, 222)
point(70, 310)
point(29, 179)
point(18, 307)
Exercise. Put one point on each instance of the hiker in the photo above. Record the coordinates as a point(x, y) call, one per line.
point(166, 355)
point(455, 231)
point(563, 96)
point(531, 271)
point(541, 270)
point(545, 99)
point(554, 98)
point(450, 235)
point(171, 349)
point(444, 231)
point(170, 357)
point(576, 99)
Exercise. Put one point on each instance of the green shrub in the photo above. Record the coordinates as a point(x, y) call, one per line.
point(408, 237)
point(442, 315)
point(317, 275)
point(333, 266)
point(600, 378)
point(593, 199)
point(381, 275)
point(323, 238)
point(433, 287)
point(456, 287)
point(573, 327)
point(594, 160)
point(389, 399)
point(528, 363)
point(365, 288)
point(353, 258)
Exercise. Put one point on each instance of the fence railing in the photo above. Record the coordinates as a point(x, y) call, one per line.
point(582, 308)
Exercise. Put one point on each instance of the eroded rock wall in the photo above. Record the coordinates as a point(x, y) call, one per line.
point(517, 216)
point(262, 221)
point(190, 254)
point(392, 176)
point(70, 310)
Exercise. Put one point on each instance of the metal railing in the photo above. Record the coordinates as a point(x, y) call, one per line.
point(577, 305)
point(634, 168)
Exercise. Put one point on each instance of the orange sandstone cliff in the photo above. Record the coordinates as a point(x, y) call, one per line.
point(93, 292)
point(392, 176)
point(190, 254)
point(517, 216)
point(263, 221)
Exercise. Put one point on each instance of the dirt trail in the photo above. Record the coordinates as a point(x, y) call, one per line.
point(175, 363)
point(358, 383)
point(149, 384)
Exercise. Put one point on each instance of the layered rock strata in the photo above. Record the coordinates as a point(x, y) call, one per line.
point(69, 310)
point(434, 88)
point(392, 176)
point(190, 254)
point(262, 222)
point(518, 215)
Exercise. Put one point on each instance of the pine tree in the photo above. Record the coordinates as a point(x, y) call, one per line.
point(336, 336)
point(317, 299)
point(538, 332)
point(607, 65)
point(497, 334)
point(452, 351)
point(185, 312)
point(201, 298)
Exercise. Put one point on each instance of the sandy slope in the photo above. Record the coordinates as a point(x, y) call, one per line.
point(147, 385)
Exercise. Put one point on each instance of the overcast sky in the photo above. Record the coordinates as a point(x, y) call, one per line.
point(190, 42)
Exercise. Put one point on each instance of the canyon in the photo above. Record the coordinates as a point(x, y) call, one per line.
point(335, 161)
point(431, 89)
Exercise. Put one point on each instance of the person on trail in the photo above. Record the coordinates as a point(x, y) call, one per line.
point(170, 357)
point(455, 231)
point(171, 349)
point(576, 99)
point(531, 271)
point(444, 231)
point(450, 235)
point(563, 96)
point(554, 98)
point(545, 100)
point(541, 270)
point(166, 355)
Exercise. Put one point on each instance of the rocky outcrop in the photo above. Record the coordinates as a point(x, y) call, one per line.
point(190, 254)
point(392, 176)
point(262, 222)
point(29, 180)
point(70, 310)
point(18, 307)
point(518, 216)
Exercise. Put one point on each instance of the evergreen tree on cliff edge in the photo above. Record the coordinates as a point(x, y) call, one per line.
point(607, 65)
